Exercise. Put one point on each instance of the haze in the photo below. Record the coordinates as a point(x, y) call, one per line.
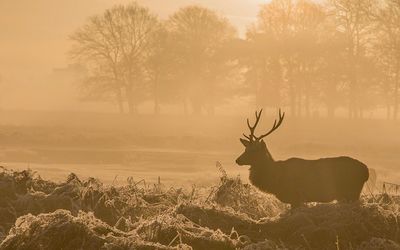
point(34, 41)
point(199, 124)
point(76, 95)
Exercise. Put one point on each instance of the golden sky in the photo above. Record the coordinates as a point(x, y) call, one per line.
point(34, 41)
point(33, 34)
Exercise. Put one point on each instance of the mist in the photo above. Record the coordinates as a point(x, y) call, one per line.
point(34, 44)
point(188, 124)
point(252, 56)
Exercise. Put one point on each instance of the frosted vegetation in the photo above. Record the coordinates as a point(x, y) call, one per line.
point(85, 214)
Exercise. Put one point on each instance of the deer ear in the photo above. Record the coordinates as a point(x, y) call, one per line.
point(244, 142)
point(263, 143)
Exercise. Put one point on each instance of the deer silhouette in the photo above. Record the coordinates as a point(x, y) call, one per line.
point(296, 181)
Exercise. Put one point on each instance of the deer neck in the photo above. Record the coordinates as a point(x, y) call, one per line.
point(263, 173)
point(268, 156)
point(264, 160)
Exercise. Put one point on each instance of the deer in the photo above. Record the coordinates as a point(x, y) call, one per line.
point(296, 181)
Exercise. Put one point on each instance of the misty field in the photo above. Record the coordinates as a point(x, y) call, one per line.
point(99, 181)
point(120, 123)
point(184, 149)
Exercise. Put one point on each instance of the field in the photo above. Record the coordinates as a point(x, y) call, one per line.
point(103, 181)
point(85, 214)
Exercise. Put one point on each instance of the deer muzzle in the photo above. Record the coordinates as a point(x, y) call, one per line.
point(241, 160)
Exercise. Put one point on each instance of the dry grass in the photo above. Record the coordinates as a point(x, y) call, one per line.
point(85, 214)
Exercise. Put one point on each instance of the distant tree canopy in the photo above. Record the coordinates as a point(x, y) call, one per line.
point(198, 36)
point(116, 47)
point(305, 55)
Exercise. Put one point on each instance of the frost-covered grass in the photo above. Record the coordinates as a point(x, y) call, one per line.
point(85, 214)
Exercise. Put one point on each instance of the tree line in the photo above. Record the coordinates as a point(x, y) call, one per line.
point(299, 54)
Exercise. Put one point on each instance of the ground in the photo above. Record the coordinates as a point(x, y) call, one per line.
point(180, 149)
point(163, 182)
point(85, 214)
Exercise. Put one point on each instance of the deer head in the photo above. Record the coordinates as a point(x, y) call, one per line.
point(256, 149)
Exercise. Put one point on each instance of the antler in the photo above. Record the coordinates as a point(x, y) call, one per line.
point(253, 128)
point(275, 126)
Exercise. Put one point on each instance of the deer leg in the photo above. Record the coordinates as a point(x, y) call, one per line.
point(352, 193)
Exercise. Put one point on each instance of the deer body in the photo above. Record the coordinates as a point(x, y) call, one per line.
point(296, 180)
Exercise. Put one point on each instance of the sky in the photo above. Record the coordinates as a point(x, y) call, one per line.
point(34, 34)
point(34, 41)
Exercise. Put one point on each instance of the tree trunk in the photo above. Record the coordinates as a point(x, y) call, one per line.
point(130, 98)
point(292, 100)
point(352, 100)
point(352, 96)
point(331, 111)
point(292, 91)
point(330, 100)
point(307, 104)
point(120, 101)
point(361, 113)
point(388, 110)
point(350, 110)
point(299, 104)
point(185, 107)
point(156, 96)
point(396, 103)
point(353, 78)
point(156, 107)
point(396, 93)
point(196, 107)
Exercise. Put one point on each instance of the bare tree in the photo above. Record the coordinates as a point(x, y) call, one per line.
point(386, 16)
point(118, 42)
point(332, 70)
point(163, 71)
point(198, 35)
point(351, 17)
point(287, 33)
